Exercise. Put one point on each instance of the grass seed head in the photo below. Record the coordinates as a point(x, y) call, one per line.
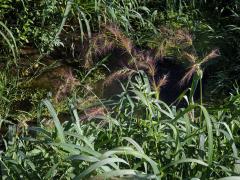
point(190, 57)
point(188, 75)
point(213, 54)
point(118, 75)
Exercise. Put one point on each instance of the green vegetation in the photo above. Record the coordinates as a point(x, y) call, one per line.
point(126, 89)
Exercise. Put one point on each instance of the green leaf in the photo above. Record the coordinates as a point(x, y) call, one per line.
point(230, 178)
point(122, 172)
point(187, 160)
point(130, 151)
point(83, 158)
point(210, 134)
point(51, 172)
point(57, 123)
point(99, 165)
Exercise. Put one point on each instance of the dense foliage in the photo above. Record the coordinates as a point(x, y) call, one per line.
point(56, 124)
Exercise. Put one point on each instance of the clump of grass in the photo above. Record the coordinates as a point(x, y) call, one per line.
point(110, 38)
point(169, 43)
point(141, 137)
point(10, 40)
point(73, 148)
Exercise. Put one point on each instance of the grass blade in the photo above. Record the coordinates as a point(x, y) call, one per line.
point(55, 119)
point(210, 134)
point(98, 165)
point(187, 160)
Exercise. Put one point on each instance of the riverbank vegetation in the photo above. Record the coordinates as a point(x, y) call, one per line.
point(124, 89)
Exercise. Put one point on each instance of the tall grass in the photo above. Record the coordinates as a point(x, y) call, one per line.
point(7, 35)
point(139, 136)
point(142, 137)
